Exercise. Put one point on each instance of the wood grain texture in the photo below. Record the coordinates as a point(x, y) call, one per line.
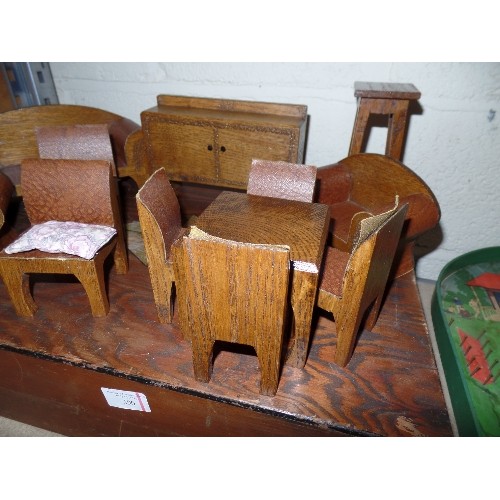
point(233, 292)
point(213, 141)
point(161, 225)
point(54, 191)
point(378, 98)
point(391, 387)
point(368, 182)
point(19, 141)
point(349, 286)
point(52, 367)
point(274, 221)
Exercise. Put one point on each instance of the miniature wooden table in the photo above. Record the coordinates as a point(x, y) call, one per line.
point(301, 226)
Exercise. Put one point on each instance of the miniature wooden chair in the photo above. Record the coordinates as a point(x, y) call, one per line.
point(160, 220)
point(368, 182)
point(354, 280)
point(6, 190)
point(234, 292)
point(74, 191)
point(76, 142)
point(280, 179)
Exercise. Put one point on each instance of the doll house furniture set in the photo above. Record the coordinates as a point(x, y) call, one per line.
point(183, 331)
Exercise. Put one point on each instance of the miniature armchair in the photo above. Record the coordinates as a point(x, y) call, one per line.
point(233, 292)
point(71, 206)
point(368, 183)
point(160, 220)
point(356, 279)
point(6, 190)
point(280, 179)
point(76, 142)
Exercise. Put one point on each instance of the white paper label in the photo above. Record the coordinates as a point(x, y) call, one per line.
point(128, 400)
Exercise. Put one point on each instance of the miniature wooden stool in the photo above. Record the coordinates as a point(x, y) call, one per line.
point(392, 99)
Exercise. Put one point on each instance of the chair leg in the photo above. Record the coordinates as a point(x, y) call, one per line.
point(372, 317)
point(120, 257)
point(164, 305)
point(162, 284)
point(347, 325)
point(202, 359)
point(269, 361)
point(92, 279)
point(18, 287)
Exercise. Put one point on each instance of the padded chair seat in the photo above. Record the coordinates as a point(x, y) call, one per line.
point(341, 215)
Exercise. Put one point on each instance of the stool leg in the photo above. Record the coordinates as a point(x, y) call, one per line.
point(397, 129)
point(358, 132)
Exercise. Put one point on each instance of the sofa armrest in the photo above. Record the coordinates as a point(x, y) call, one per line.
point(119, 131)
point(423, 214)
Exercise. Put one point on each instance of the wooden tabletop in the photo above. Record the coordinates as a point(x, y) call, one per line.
point(260, 219)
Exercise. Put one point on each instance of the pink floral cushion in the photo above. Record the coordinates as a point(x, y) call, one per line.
point(75, 238)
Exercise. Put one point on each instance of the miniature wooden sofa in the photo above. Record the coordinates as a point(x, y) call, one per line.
point(365, 184)
point(18, 134)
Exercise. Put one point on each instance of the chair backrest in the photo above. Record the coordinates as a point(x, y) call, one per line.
point(76, 142)
point(6, 190)
point(69, 190)
point(231, 291)
point(159, 213)
point(373, 252)
point(280, 179)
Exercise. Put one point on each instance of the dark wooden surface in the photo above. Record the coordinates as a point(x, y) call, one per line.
point(52, 368)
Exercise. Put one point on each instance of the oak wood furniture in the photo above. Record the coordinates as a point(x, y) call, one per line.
point(368, 182)
point(289, 181)
point(76, 142)
point(378, 98)
point(53, 366)
point(161, 225)
point(52, 371)
point(233, 292)
point(19, 140)
point(53, 191)
point(213, 141)
point(354, 282)
point(274, 221)
point(6, 190)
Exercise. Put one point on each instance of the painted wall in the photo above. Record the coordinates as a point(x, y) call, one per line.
point(453, 140)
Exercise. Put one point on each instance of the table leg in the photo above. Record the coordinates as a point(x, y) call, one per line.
point(303, 298)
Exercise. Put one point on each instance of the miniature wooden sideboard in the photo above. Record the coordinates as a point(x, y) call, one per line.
point(213, 141)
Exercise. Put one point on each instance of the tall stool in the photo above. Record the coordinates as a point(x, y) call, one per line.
point(392, 99)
